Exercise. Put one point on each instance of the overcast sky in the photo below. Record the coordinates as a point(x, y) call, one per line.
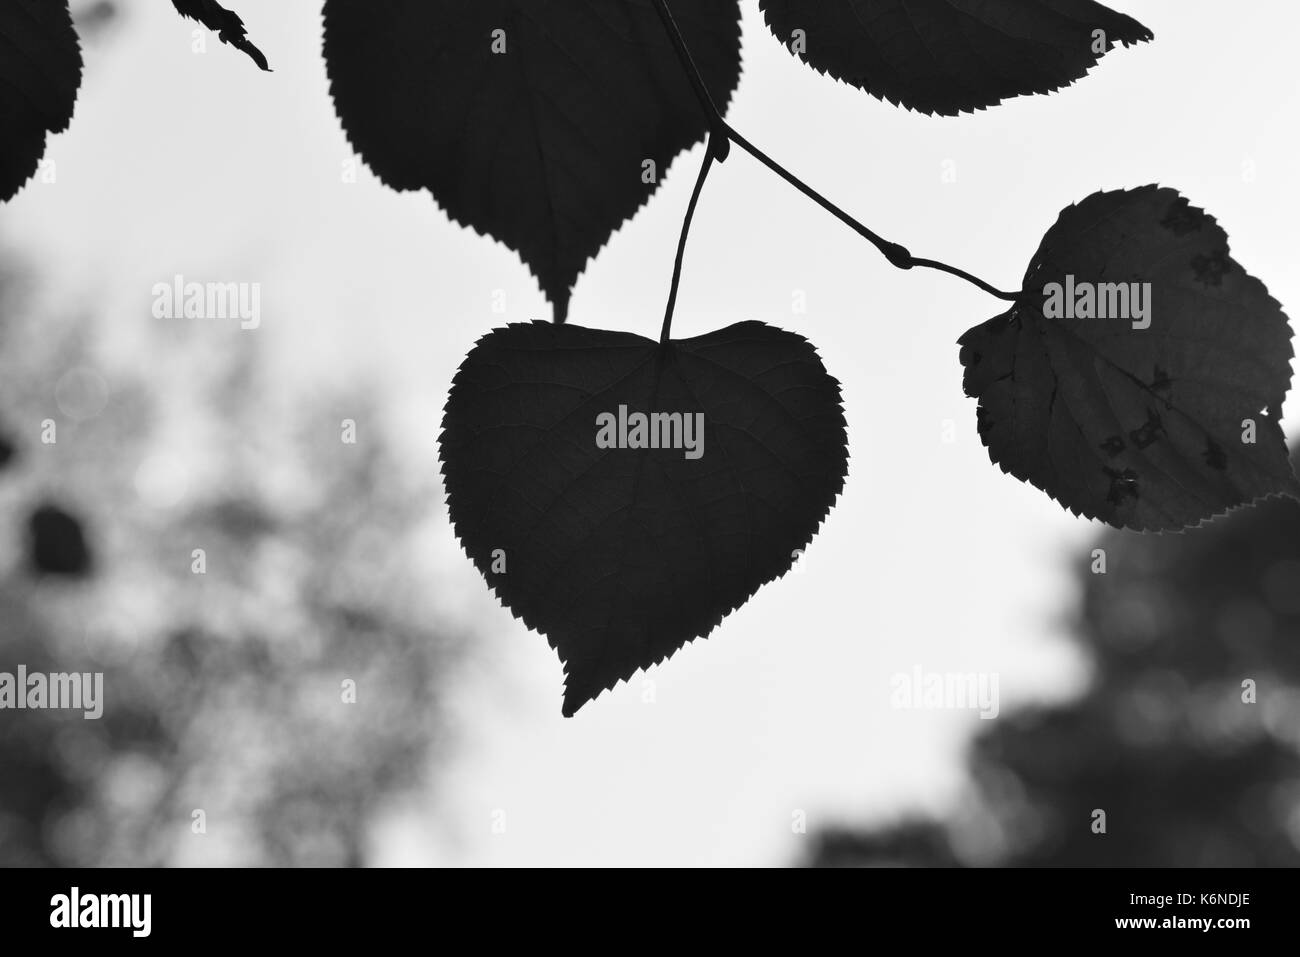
point(181, 163)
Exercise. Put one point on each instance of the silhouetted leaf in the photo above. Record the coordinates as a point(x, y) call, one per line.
point(621, 556)
point(7, 451)
point(225, 23)
point(1143, 428)
point(57, 544)
point(40, 73)
point(951, 56)
point(542, 146)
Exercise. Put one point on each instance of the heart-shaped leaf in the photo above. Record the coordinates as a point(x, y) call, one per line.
point(951, 56)
point(40, 73)
point(227, 24)
point(620, 542)
point(545, 125)
point(1140, 377)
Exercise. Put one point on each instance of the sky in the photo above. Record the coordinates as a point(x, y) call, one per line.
point(198, 164)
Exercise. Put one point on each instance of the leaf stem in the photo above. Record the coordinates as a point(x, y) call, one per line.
point(709, 156)
point(723, 134)
point(963, 274)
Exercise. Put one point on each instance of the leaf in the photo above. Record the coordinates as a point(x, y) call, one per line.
point(227, 24)
point(622, 555)
point(541, 146)
point(1143, 428)
point(952, 56)
point(40, 74)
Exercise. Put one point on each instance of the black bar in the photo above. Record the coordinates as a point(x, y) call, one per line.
point(323, 908)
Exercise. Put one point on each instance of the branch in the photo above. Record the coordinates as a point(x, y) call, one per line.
point(723, 134)
point(896, 254)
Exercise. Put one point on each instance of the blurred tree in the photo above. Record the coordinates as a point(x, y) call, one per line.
point(1188, 738)
point(273, 660)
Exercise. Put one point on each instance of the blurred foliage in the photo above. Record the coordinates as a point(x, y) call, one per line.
point(93, 17)
point(1188, 773)
point(57, 543)
point(223, 690)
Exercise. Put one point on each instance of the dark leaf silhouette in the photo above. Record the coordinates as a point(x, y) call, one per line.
point(622, 555)
point(531, 122)
point(57, 544)
point(40, 73)
point(225, 23)
point(7, 450)
point(1155, 428)
point(951, 56)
